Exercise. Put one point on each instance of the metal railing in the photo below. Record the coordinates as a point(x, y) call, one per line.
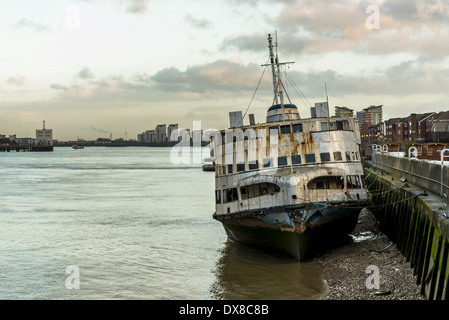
point(412, 153)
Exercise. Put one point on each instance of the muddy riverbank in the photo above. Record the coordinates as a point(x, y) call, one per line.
point(350, 270)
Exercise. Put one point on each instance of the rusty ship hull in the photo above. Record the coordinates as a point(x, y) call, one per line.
point(300, 231)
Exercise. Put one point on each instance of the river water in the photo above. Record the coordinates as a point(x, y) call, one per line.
point(127, 223)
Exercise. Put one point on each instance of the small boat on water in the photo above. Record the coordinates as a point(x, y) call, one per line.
point(289, 184)
point(75, 146)
point(209, 165)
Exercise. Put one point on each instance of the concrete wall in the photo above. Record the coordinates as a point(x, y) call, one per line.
point(421, 173)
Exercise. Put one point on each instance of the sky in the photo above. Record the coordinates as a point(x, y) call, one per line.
point(101, 68)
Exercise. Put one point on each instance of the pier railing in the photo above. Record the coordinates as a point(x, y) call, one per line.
point(430, 175)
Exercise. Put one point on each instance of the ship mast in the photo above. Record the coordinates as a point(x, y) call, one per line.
point(276, 73)
point(273, 70)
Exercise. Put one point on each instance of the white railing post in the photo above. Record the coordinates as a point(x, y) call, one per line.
point(442, 165)
point(411, 151)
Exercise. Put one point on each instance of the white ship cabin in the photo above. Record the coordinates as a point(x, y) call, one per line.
point(286, 161)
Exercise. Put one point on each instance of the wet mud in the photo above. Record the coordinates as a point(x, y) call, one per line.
point(367, 267)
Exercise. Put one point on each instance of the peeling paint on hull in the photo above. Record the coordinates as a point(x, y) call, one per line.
point(298, 231)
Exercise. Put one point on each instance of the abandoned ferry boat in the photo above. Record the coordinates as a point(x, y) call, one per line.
point(289, 184)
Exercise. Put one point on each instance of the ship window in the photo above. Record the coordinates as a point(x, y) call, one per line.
point(224, 169)
point(296, 159)
point(274, 130)
point(263, 189)
point(253, 165)
point(325, 156)
point(310, 158)
point(230, 195)
point(267, 162)
point(244, 193)
point(217, 196)
point(223, 139)
point(273, 188)
point(282, 161)
point(297, 127)
point(337, 156)
point(229, 168)
point(285, 129)
point(339, 125)
point(326, 182)
point(260, 189)
point(240, 167)
point(348, 156)
point(253, 191)
point(323, 126)
point(353, 182)
point(362, 178)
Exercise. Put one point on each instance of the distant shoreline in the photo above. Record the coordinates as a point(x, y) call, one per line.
point(126, 144)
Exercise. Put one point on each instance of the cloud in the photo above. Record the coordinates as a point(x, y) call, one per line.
point(407, 78)
point(37, 27)
point(252, 42)
point(215, 81)
point(137, 6)
point(417, 11)
point(18, 81)
point(198, 23)
point(222, 75)
point(318, 27)
point(92, 128)
point(85, 73)
point(193, 84)
point(59, 87)
point(257, 42)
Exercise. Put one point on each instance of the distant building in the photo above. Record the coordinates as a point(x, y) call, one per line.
point(372, 114)
point(440, 122)
point(397, 129)
point(171, 128)
point(26, 141)
point(161, 133)
point(44, 136)
point(343, 112)
point(150, 136)
point(359, 116)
